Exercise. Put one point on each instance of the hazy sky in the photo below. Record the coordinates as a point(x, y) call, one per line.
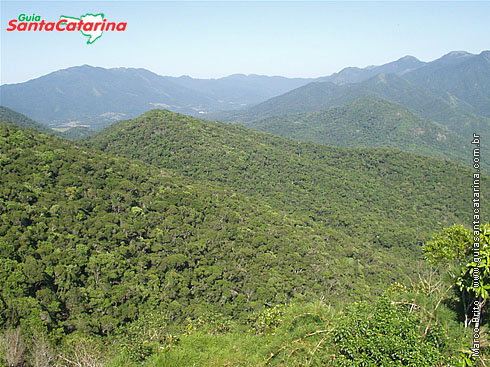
point(214, 39)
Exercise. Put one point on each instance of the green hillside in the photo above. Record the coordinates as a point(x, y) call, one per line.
point(373, 123)
point(76, 133)
point(439, 106)
point(6, 114)
point(89, 242)
point(462, 74)
point(231, 249)
point(386, 197)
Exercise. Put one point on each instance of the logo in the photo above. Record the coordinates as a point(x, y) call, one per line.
point(89, 25)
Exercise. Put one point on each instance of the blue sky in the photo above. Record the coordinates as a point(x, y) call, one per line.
point(214, 39)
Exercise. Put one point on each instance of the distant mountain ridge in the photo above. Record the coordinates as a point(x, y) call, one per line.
point(239, 89)
point(87, 96)
point(94, 97)
point(464, 75)
point(426, 91)
point(356, 75)
point(439, 106)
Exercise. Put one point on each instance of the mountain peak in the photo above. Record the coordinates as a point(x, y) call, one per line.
point(451, 58)
point(78, 67)
point(459, 53)
point(456, 54)
point(408, 58)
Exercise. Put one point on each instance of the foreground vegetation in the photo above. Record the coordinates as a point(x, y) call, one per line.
point(407, 326)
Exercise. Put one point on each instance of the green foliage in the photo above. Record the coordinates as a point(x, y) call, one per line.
point(6, 114)
point(452, 244)
point(474, 278)
point(369, 122)
point(165, 263)
point(358, 191)
point(89, 243)
point(145, 336)
point(268, 320)
point(455, 246)
point(387, 335)
point(382, 333)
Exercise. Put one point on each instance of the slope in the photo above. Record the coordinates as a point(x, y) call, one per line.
point(464, 75)
point(356, 191)
point(356, 75)
point(371, 122)
point(442, 107)
point(90, 242)
point(6, 114)
point(96, 97)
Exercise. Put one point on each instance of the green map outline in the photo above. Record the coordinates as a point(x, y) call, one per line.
point(81, 31)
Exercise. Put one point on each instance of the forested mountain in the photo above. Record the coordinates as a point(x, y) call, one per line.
point(89, 242)
point(89, 233)
point(168, 240)
point(355, 191)
point(464, 75)
point(219, 242)
point(356, 75)
point(371, 122)
point(95, 97)
point(442, 107)
point(6, 114)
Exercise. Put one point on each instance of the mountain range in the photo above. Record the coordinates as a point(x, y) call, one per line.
point(95, 97)
point(451, 93)
point(356, 75)
point(430, 108)
point(411, 89)
point(369, 122)
point(454, 87)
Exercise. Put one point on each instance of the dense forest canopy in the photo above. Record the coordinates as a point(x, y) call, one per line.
point(385, 197)
point(370, 122)
point(168, 240)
